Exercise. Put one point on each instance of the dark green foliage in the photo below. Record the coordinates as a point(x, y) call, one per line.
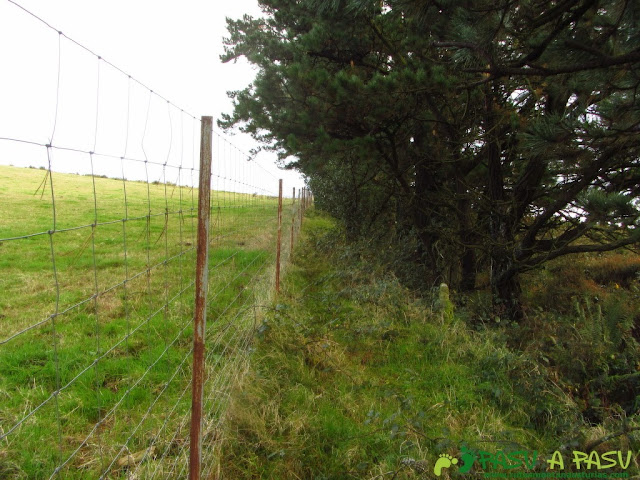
point(498, 135)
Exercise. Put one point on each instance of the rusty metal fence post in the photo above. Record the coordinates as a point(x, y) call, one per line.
point(279, 244)
point(293, 220)
point(301, 204)
point(200, 313)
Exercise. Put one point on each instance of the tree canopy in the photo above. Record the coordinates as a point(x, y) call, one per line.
point(495, 135)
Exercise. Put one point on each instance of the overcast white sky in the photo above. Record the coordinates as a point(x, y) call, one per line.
point(172, 47)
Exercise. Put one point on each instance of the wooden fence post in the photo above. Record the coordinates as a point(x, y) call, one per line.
point(301, 205)
point(293, 219)
point(279, 244)
point(200, 313)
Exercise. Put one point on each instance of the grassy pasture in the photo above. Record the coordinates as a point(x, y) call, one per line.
point(96, 303)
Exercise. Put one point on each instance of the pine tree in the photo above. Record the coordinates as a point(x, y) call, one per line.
point(506, 131)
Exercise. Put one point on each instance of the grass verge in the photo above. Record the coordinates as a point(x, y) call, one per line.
point(354, 377)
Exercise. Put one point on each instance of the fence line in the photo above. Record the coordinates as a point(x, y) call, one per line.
point(97, 292)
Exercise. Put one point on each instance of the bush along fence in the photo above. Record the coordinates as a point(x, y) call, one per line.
point(132, 276)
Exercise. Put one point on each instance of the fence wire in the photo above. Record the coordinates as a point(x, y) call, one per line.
point(97, 259)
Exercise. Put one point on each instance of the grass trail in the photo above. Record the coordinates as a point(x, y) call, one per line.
point(353, 377)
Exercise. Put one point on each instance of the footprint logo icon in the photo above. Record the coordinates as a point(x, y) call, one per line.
point(467, 459)
point(445, 461)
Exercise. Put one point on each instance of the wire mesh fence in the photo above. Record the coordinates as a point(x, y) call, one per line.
point(97, 282)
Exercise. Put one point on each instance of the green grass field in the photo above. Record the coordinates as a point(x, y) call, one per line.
point(96, 303)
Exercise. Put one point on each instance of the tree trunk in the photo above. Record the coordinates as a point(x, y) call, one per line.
point(422, 203)
point(468, 264)
point(505, 284)
point(506, 291)
point(468, 257)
